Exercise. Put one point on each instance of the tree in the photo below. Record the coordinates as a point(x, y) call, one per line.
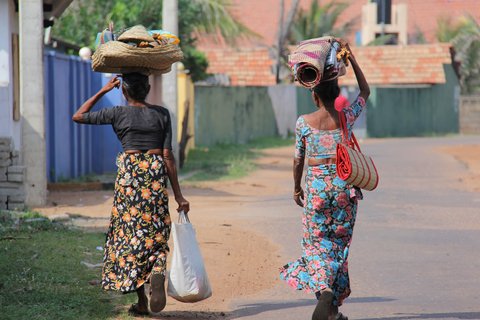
point(465, 38)
point(83, 19)
point(280, 51)
point(320, 20)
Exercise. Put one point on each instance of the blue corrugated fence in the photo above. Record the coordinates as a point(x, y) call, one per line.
point(75, 150)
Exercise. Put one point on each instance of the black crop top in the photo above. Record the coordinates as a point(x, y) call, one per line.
point(137, 128)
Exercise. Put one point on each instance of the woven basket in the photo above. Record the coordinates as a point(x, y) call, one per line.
point(136, 33)
point(312, 51)
point(308, 62)
point(119, 57)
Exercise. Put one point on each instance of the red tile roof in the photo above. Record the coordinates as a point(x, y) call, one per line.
point(382, 65)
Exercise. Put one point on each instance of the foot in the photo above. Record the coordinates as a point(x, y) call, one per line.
point(340, 316)
point(324, 306)
point(158, 299)
point(137, 310)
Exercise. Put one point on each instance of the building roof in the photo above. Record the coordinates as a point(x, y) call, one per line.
point(51, 8)
point(382, 65)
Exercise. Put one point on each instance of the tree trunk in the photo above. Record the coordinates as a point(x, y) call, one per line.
point(283, 32)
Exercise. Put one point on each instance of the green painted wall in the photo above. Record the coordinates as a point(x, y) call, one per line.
point(232, 115)
point(305, 103)
point(404, 112)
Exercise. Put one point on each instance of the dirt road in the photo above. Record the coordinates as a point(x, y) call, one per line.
point(413, 240)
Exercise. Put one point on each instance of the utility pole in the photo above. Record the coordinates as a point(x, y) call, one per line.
point(32, 107)
point(169, 80)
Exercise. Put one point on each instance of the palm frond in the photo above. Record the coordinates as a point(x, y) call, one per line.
point(217, 18)
point(320, 20)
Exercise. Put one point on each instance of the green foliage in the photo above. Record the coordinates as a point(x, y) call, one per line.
point(320, 20)
point(464, 34)
point(196, 62)
point(228, 161)
point(381, 40)
point(84, 19)
point(447, 30)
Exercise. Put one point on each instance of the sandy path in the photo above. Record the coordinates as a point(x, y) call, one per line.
point(469, 155)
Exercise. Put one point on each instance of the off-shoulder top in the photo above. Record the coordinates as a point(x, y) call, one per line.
point(315, 143)
point(137, 128)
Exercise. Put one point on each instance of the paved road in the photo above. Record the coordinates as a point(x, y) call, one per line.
point(416, 247)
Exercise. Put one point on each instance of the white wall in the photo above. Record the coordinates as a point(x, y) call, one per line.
point(8, 25)
point(284, 102)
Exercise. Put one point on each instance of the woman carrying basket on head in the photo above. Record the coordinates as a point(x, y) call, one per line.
point(136, 247)
point(329, 203)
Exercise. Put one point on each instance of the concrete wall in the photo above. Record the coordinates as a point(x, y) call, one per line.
point(233, 115)
point(186, 98)
point(414, 111)
point(470, 114)
point(284, 103)
point(240, 114)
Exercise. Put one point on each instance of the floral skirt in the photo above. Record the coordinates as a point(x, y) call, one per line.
point(329, 216)
point(136, 244)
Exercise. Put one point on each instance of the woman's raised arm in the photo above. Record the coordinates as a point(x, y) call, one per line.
point(87, 105)
point(362, 82)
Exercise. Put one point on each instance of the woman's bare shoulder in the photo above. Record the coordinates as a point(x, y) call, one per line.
point(310, 116)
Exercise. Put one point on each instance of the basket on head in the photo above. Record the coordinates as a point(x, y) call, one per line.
point(136, 34)
point(308, 61)
point(119, 57)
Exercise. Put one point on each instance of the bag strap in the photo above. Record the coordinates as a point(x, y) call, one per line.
point(352, 142)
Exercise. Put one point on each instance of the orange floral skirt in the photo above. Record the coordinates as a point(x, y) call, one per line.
point(139, 229)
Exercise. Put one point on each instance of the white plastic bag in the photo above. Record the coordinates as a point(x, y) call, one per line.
point(188, 280)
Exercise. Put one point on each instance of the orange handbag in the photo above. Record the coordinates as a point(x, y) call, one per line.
point(352, 165)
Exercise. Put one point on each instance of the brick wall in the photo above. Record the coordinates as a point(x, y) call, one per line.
point(12, 195)
point(470, 114)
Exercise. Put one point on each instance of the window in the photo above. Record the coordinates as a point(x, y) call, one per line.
point(384, 11)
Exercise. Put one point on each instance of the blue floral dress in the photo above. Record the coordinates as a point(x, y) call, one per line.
point(329, 214)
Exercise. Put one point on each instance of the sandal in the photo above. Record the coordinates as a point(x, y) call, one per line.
point(324, 306)
point(134, 311)
point(158, 298)
point(340, 316)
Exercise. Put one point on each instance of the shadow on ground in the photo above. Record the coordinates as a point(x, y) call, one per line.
point(187, 315)
point(450, 315)
point(247, 310)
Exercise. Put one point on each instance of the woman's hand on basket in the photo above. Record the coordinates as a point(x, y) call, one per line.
point(299, 197)
point(113, 83)
point(183, 204)
point(344, 44)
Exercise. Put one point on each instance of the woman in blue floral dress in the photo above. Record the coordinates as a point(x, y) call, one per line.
point(329, 203)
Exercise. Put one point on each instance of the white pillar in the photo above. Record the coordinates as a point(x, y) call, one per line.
point(32, 107)
point(169, 81)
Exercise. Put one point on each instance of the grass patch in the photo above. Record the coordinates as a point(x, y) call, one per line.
point(228, 161)
point(41, 275)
